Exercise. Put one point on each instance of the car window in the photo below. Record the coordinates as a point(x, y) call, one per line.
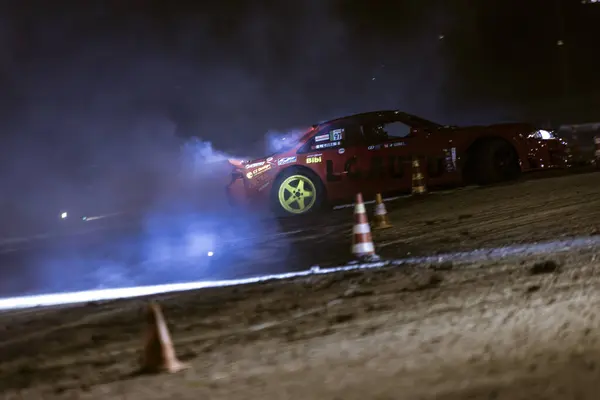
point(397, 130)
point(334, 136)
point(378, 132)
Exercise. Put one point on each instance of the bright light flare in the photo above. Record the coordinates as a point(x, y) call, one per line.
point(545, 134)
point(45, 300)
point(542, 134)
point(64, 215)
point(467, 256)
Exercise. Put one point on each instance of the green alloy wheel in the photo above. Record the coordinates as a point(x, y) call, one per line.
point(297, 194)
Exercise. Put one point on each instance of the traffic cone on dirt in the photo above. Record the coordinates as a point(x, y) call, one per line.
point(159, 353)
point(418, 181)
point(380, 220)
point(363, 247)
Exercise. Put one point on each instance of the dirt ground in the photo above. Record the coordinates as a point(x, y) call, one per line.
point(468, 218)
point(518, 327)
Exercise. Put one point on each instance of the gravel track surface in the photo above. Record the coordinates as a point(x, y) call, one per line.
point(513, 327)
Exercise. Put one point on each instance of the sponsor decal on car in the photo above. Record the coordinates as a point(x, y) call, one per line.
point(269, 159)
point(327, 145)
point(258, 171)
point(314, 158)
point(322, 138)
point(256, 164)
point(450, 159)
point(341, 151)
point(286, 160)
point(262, 169)
point(337, 134)
point(386, 145)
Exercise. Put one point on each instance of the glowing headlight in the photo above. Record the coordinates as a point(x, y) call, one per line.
point(542, 134)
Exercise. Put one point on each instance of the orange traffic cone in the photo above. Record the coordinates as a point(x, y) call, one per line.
point(159, 353)
point(363, 247)
point(380, 219)
point(418, 182)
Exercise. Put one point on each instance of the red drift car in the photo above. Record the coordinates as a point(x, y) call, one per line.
point(372, 152)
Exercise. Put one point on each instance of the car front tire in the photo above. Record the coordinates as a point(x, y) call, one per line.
point(296, 192)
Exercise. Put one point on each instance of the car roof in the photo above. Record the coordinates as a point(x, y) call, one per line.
point(359, 116)
point(376, 115)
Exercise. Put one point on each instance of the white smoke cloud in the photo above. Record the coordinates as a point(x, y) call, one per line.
point(277, 141)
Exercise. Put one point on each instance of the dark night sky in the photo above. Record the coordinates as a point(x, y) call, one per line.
point(272, 64)
point(108, 81)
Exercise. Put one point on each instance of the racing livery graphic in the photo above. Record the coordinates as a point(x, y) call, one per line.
point(373, 152)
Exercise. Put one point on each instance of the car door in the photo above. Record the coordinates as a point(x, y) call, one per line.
point(397, 144)
point(436, 154)
point(388, 144)
point(337, 153)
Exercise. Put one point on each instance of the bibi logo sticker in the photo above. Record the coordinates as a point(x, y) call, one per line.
point(341, 151)
point(314, 158)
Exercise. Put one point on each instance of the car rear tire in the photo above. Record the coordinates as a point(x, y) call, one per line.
point(297, 191)
point(495, 161)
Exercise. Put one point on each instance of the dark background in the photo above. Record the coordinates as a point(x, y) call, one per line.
point(243, 68)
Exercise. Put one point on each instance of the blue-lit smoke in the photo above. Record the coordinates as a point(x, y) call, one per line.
point(278, 141)
point(181, 229)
